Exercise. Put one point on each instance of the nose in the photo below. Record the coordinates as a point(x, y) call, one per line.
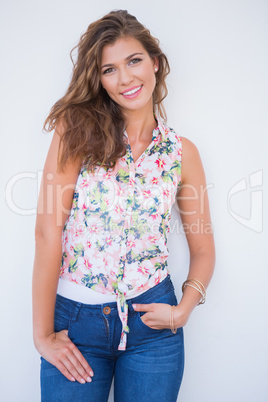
point(125, 76)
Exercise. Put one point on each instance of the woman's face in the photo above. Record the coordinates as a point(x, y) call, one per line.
point(128, 74)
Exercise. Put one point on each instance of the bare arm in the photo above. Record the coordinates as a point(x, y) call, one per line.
point(193, 204)
point(54, 205)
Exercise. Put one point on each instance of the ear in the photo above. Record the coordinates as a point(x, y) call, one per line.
point(156, 63)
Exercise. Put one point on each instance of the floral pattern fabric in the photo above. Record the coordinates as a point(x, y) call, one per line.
point(115, 238)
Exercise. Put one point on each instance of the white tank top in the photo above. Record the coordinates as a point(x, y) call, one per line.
point(84, 294)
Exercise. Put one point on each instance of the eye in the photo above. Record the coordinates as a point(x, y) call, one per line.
point(107, 71)
point(135, 61)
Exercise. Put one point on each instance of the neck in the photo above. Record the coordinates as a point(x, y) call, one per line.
point(140, 125)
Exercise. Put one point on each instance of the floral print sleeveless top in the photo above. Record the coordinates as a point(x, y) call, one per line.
point(115, 238)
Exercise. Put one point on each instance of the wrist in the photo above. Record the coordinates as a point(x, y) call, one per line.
point(41, 338)
point(181, 316)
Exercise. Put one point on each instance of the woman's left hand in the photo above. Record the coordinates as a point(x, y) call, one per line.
point(157, 315)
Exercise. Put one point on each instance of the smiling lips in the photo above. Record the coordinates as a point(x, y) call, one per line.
point(132, 92)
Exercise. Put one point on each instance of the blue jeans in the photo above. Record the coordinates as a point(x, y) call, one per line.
point(150, 369)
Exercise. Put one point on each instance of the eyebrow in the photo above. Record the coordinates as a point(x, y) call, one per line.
point(126, 59)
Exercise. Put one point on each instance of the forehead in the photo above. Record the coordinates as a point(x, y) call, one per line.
point(121, 49)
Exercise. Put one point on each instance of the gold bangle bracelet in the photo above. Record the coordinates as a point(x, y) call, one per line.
point(173, 330)
point(197, 282)
point(204, 289)
point(188, 284)
point(203, 292)
point(196, 287)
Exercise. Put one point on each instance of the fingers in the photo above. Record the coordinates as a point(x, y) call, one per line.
point(143, 307)
point(81, 363)
point(75, 369)
point(62, 368)
point(60, 351)
point(73, 365)
point(157, 317)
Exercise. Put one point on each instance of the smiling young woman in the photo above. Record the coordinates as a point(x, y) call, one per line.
point(130, 77)
point(104, 305)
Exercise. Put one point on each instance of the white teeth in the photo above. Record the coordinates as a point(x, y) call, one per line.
point(133, 91)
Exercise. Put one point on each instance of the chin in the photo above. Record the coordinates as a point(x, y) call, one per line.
point(135, 105)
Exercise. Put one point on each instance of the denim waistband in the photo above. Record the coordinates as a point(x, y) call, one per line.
point(149, 296)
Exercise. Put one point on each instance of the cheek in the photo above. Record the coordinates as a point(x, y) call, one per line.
point(105, 83)
point(108, 85)
point(151, 79)
point(149, 74)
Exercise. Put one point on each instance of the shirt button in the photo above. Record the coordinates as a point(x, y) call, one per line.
point(107, 310)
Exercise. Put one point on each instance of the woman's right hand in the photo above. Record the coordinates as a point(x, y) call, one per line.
point(59, 350)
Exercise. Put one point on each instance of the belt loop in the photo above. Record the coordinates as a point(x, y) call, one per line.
point(76, 311)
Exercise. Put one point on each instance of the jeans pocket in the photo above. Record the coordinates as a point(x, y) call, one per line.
point(139, 315)
point(62, 318)
point(168, 298)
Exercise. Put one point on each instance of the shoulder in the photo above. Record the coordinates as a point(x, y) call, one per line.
point(186, 148)
point(189, 148)
point(190, 161)
point(69, 171)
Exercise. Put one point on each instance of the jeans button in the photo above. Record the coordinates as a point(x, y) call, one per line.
point(107, 310)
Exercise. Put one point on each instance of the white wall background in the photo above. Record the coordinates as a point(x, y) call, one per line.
point(218, 99)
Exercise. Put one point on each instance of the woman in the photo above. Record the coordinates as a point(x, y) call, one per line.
point(104, 304)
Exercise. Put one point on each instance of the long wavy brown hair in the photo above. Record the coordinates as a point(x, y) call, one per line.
point(93, 123)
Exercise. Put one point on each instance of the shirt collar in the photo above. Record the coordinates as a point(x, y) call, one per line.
point(161, 127)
